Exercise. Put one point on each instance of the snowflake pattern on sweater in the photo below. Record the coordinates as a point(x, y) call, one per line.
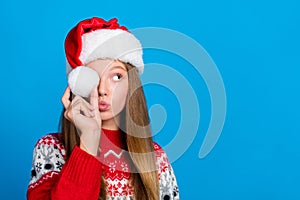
point(49, 159)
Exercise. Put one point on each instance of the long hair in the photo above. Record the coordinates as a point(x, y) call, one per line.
point(136, 125)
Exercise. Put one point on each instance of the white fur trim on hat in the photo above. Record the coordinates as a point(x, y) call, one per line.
point(112, 44)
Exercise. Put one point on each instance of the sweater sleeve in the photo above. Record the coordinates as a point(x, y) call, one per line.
point(53, 178)
point(167, 180)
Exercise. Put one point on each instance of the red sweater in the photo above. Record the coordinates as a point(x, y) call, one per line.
point(79, 177)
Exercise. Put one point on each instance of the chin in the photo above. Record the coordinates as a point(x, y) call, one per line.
point(106, 116)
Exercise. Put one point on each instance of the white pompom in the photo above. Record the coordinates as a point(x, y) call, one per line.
point(82, 80)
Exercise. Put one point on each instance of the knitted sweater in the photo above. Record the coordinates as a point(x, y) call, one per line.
point(78, 178)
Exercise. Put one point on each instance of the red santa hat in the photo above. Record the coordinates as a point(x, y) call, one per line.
point(95, 38)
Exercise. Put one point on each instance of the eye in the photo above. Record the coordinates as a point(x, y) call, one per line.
point(117, 77)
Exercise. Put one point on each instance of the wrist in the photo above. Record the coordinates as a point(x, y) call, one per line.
point(91, 151)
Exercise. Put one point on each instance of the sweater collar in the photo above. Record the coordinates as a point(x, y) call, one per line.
point(111, 139)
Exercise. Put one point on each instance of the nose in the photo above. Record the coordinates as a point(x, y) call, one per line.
point(102, 88)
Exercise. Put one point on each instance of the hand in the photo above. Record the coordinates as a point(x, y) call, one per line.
point(86, 118)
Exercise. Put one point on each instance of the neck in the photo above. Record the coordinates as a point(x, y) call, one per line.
point(111, 124)
point(112, 139)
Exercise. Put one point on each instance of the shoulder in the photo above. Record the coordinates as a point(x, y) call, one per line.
point(157, 148)
point(51, 141)
point(161, 158)
point(167, 180)
point(48, 157)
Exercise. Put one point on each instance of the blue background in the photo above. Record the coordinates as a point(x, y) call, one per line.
point(255, 45)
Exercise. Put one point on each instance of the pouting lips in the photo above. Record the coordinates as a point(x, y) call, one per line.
point(103, 105)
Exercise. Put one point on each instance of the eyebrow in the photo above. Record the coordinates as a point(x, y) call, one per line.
point(118, 67)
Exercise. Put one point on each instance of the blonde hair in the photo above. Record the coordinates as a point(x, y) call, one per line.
point(136, 125)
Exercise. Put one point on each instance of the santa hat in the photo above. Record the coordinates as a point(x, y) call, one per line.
point(95, 38)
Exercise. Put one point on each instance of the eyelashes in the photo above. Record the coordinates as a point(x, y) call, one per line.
point(117, 77)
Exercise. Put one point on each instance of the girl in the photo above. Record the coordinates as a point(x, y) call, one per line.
point(105, 149)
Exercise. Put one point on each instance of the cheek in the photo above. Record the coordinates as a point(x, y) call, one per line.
point(119, 96)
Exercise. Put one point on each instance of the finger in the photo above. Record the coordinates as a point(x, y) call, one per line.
point(68, 114)
point(80, 106)
point(94, 103)
point(73, 108)
point(65, 98)
point(86, 112)
point(94, 98)
point(79, 99)
point(76, 109)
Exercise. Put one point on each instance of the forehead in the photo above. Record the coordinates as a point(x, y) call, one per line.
point(105, 65)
